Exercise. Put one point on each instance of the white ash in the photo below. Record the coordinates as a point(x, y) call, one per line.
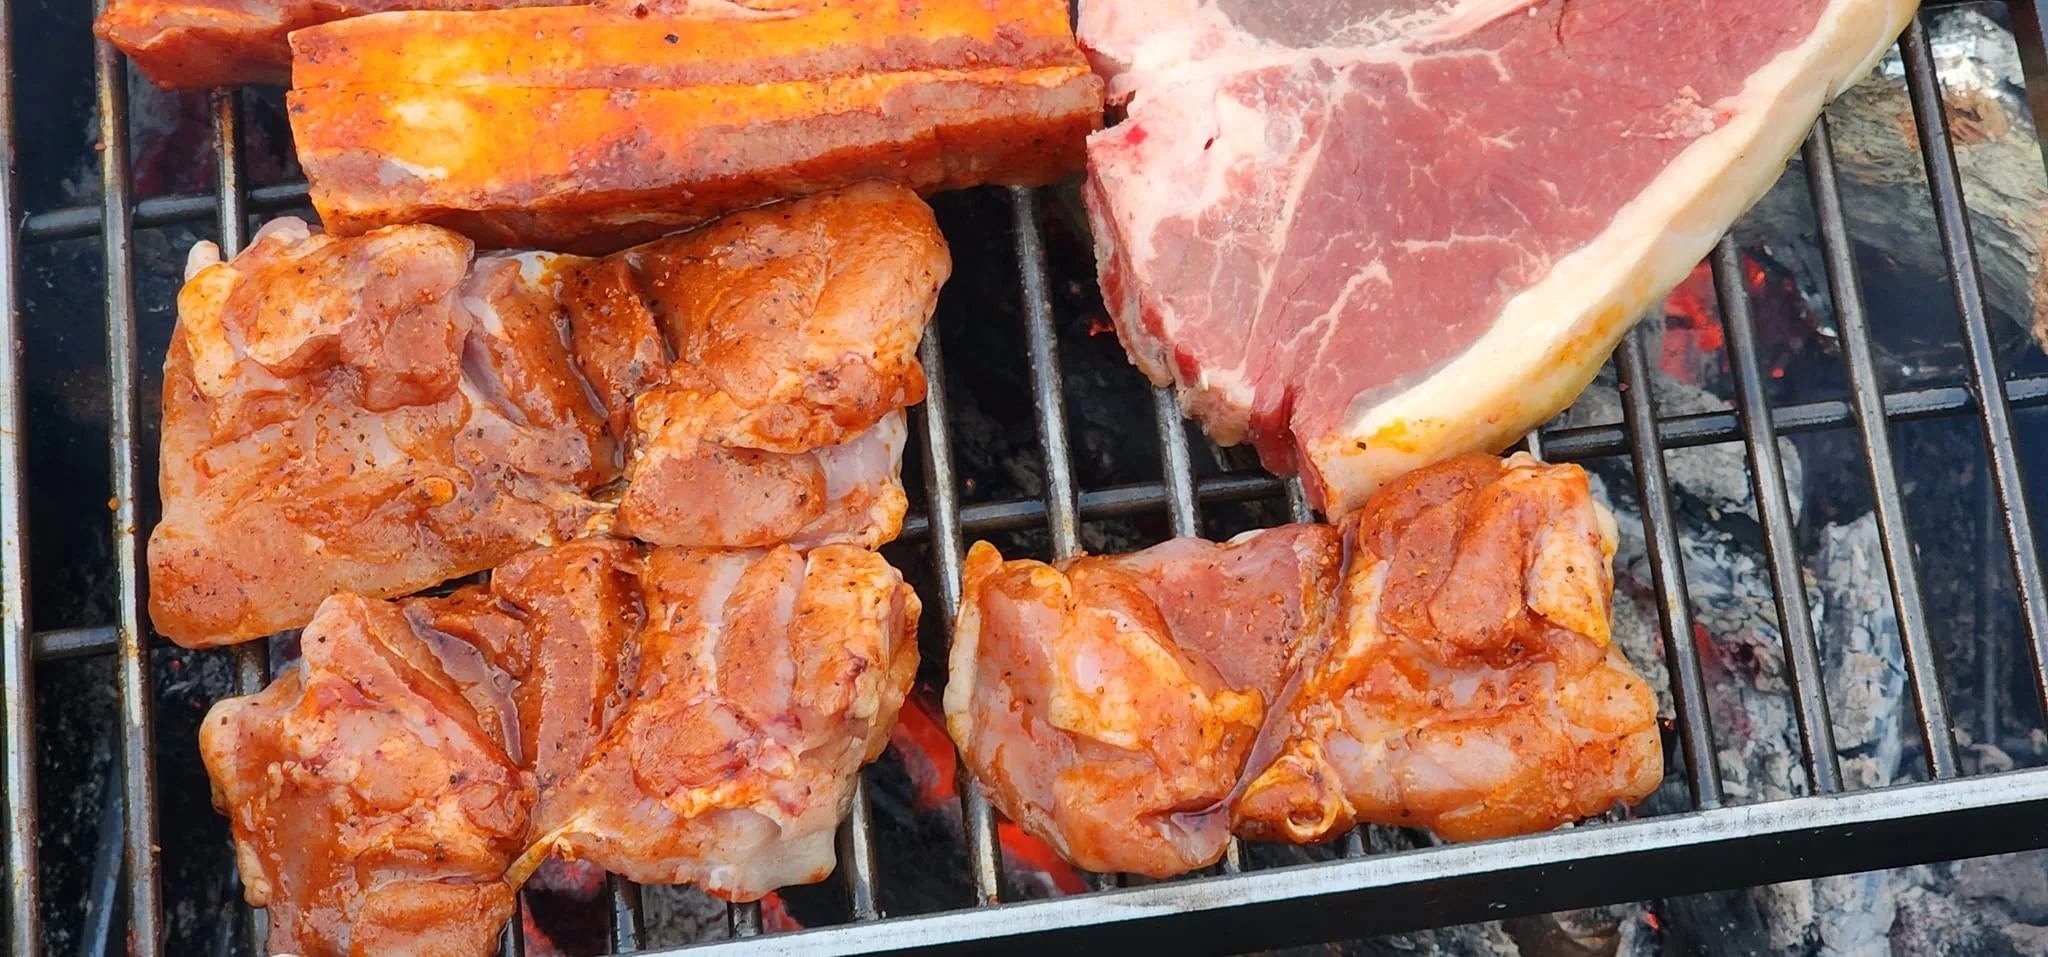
point(679, 916)
point(1910, 911)
point(1861, 654)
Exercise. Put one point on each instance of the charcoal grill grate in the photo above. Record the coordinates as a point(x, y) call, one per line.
point(1713, 846)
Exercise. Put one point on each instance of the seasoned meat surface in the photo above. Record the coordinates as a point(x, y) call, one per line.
point(1473, 689)
point(671, 715)
point(382, 413)
point(589, 129)
point(561, 625)
point(203, 44)
point(1443, 661)
point(761, 365)
point(765, 680)
point(1108, 703)
point(374, 414)
point(374, 806)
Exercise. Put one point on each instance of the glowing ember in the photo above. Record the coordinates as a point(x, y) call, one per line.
point(1693, 340)
point(1694, 349)
point(775, 917)
point(921, 744)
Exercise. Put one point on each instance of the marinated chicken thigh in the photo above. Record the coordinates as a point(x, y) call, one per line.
point(571, 656)
point(371, 415)
point(383, 413)
point(374, 805)
point(759, 367)
point(765, 680)
point(671, 715)
point(1108, 703)
point(1473, 689)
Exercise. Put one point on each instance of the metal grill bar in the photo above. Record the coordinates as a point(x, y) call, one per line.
point(77, 222)
point(1491, 880)
point(1062, 520)
point(138, 766)
point(1922, 666)
point(942, 501)
point(628, 931)
point(857, 852)
point(252, 658)
point(1178, 469)
point(227, 156)
point(17, 665)
point(745, 919)
point(1298, 508)
point(1952, 216)
point(1575, 444)
point(512, 938)
point(1774, 507)
point(1710, 428)
point(1667, 569)
point(1061, 512)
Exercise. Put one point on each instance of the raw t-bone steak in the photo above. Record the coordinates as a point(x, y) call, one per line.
point(1366, 235)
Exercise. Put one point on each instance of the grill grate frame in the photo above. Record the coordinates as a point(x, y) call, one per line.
point(1710, 847)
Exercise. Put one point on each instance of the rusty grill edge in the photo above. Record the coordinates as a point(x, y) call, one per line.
point(1712, 847)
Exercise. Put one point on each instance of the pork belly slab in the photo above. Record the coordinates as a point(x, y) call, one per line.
point(382, 413)
point(591, 128)
point(203, 44)
point(674, 715)
point(1434, 219)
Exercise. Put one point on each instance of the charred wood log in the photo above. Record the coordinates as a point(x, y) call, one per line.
point(1885, 192)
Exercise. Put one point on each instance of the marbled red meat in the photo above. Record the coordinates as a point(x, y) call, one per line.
point(1433, 217)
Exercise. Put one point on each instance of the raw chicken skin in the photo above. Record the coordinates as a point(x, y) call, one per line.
point(765, 680)
point(373, 805)
point(672, 715)
point(760, 366)
point(383, 413)
point(375, 415)
point(561, 627)
point(1473, 690)
point(1107, 704)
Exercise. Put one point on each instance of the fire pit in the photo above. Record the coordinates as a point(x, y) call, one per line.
point(1818, 451)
